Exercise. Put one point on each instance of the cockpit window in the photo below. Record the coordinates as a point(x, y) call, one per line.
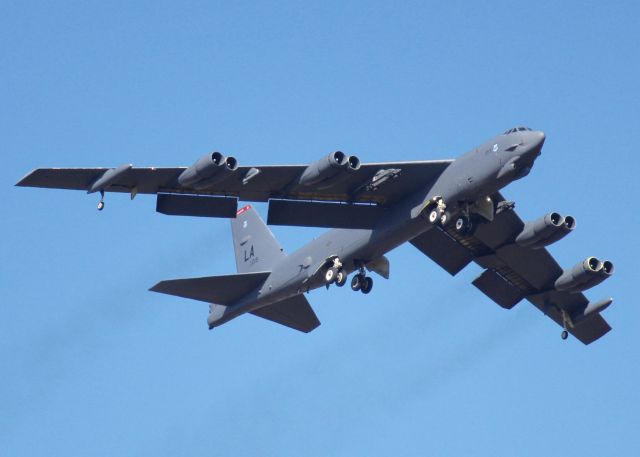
point(517, 129)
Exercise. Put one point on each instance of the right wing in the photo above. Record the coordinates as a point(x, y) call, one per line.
point(294, 312)
point(511, 272)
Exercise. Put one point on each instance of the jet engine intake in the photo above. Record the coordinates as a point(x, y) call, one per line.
point(329, 170)
point(545, 230)
point(207, 170)
point(586, 274)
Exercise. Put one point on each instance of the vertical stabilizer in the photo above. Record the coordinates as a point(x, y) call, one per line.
point(255, 246)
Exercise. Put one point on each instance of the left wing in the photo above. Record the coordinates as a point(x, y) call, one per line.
point(380, 183)
point(513, 272)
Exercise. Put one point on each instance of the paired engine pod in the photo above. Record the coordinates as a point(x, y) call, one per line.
point(329, 170)
point(545, 230)
point(207, 170)
point(586, 274)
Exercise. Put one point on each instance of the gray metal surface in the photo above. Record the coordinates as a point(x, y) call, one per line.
point(294, 312)
point(255, 246)
point(224, 290)
point(196, 205)
point(409, 201)
point(324, 214)
point(272, 181)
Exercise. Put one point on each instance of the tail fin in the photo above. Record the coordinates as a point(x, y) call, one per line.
point(255, 246)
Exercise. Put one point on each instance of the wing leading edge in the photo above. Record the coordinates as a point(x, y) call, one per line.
point(380, 183)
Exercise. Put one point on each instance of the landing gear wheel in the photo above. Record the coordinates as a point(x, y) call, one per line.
point(367, 285)
point(434, 215)
point(444, 218)
point(330, 275)
point(341, 278)
point(464, 225)
point(564, 335)
point(357, 282)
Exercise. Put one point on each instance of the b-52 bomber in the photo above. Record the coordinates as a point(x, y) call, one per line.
point(451, 210)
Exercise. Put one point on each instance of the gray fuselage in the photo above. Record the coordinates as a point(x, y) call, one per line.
point(473, 176)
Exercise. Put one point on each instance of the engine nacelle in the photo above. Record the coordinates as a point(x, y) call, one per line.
point(546, 230)
point(584, 275)
point(207, 170)
point(329, 170)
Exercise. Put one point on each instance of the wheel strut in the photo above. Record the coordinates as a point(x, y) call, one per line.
point(566, 324)
point(101, 202)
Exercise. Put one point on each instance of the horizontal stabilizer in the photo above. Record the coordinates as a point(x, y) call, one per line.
point(196, 205)
point(295, 312)
point(323, 214)
point(222, 290)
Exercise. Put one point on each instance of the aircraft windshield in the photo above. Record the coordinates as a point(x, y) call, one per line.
point(517, 129)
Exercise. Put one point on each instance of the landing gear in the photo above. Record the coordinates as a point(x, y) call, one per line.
point(566, 323)
point(101, 202)
point(341, 278)
point(367, 285)
point(439, 216)
point(335, 273)
point(464, 225)
point(330, 275)
point(361, 282)
point(439, 213)
point(356, 282)
point(434, 215)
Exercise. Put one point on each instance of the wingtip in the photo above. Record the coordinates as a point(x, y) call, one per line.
point(156, 287)
point(24, 180)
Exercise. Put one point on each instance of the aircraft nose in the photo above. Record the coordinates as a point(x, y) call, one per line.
point(540, 137)
point(535, 140)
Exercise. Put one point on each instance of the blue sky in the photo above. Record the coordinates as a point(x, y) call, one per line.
point(93, 364)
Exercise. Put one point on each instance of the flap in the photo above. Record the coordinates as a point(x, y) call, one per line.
point(498, 289)
point(443, 250)
point(196, 205)
point(322, 214)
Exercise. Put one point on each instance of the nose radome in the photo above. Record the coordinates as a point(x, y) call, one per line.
point(538, 137)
